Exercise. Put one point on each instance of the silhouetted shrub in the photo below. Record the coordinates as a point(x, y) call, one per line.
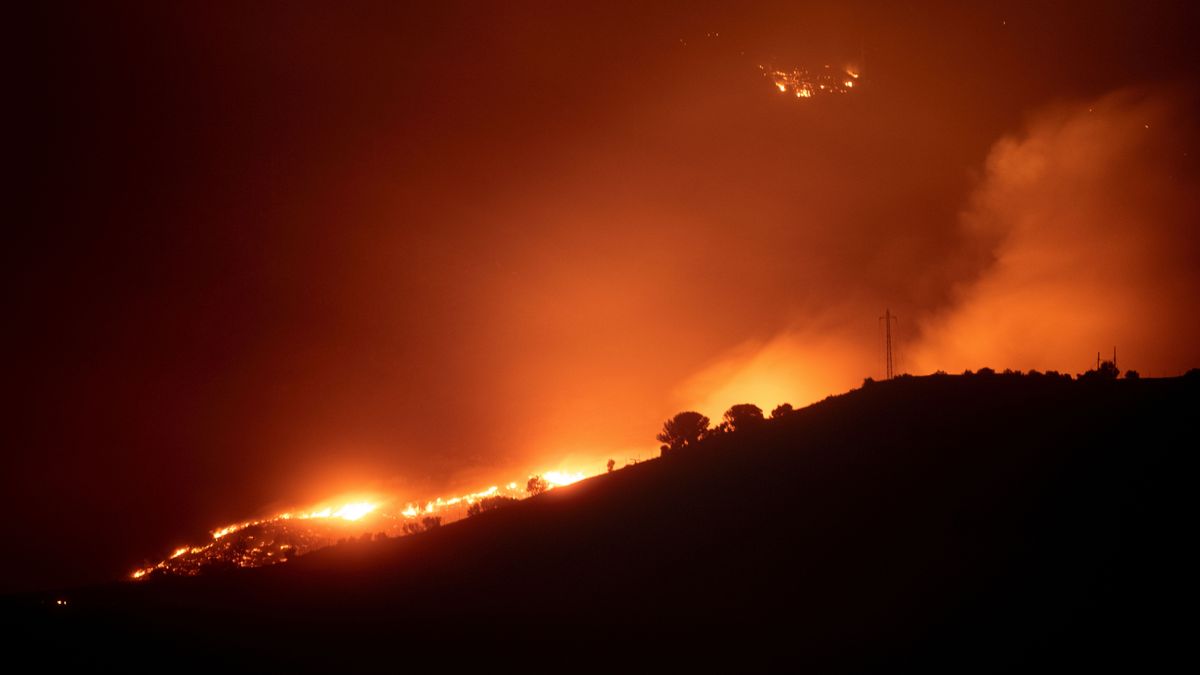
point(781, 410)
point(536, 485)
point(424, 525)
point(1132, 375)
point(743, 416)
point(611, 464)
point(985, 371)
point(1106, 371)
point(490, 504)
point(681, 431)
point(868, 381)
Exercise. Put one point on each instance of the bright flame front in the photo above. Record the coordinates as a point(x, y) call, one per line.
point(803, 84)
point(279, 538)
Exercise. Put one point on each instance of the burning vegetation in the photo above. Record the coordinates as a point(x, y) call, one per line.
point(283, 537)
point(802, 83)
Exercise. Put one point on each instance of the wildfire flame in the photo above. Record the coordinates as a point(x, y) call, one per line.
point(560, 478)
point(278, 538)
point(803, 84)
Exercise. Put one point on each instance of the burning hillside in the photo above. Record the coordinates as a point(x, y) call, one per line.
point(284, 536)
point(802, 83)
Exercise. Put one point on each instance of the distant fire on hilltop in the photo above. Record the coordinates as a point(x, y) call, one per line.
point(283, 537)
point(801, 83)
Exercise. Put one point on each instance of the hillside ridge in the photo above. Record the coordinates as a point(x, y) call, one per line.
point(1000, 515)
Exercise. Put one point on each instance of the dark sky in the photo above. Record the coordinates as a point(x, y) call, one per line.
point(281, 251)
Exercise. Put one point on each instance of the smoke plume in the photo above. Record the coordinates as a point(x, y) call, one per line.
point(1080, 236)
point(1092, 215)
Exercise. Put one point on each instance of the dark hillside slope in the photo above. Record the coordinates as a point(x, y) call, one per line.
point(980, 520)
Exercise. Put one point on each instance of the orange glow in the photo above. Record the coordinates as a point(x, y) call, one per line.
point(217, 534)
point(354, 511)
point(804, 85)
point(255, 551)
point(559, 478)
point(356, 292)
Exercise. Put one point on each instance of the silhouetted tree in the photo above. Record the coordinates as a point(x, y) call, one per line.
point(611, 463)
point(1106, 371)
point(490, 504)
point(743, 416)
point(1132, 375)
point(714, 431)
point(681, 431)
point(536, 485)
point(781, 410)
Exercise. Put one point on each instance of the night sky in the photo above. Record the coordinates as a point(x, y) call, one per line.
point(282, 251)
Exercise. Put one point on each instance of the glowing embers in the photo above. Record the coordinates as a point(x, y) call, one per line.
point(265, 541)
point(280, 538)
point(801, 83)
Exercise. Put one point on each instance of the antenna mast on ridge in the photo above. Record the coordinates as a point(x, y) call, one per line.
point(887, 318)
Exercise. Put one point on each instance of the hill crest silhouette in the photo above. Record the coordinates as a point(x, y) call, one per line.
point(995, 517)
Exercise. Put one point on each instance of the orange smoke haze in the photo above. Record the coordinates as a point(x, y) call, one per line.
point(402, 250)
point(799, 367)
point(1080, 236)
